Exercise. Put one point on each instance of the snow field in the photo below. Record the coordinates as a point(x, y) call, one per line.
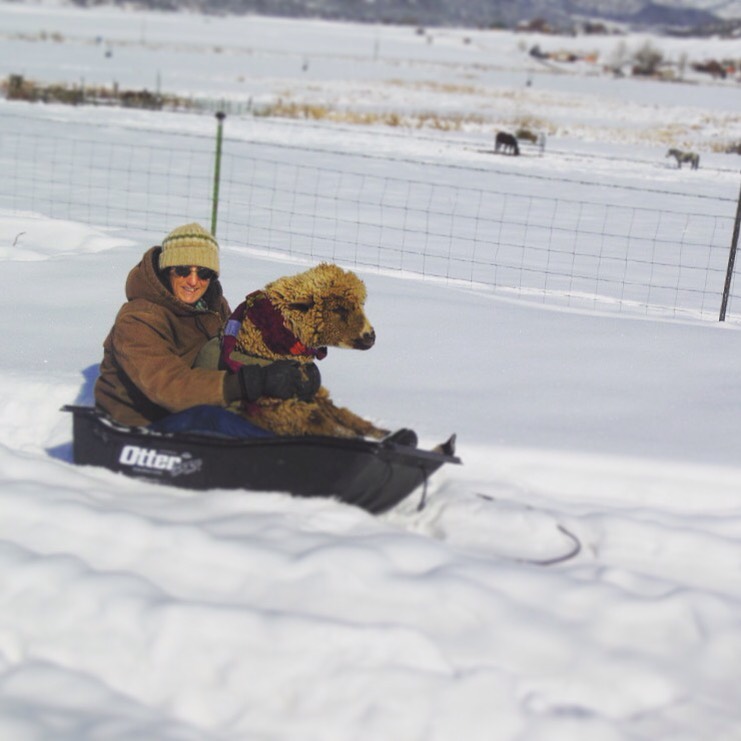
point(132, 611)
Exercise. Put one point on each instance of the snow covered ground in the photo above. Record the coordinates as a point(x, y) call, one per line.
point(131, 611)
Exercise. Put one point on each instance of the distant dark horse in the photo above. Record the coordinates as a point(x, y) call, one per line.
point(507, 143)
point(680, 156)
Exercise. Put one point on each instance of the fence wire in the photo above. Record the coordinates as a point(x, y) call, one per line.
point(556, 240)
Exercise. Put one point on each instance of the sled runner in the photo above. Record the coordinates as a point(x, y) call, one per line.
point(373, 475)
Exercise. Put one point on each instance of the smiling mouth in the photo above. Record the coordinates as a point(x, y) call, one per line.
point(187, 293)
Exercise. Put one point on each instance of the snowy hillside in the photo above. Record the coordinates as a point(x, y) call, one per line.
point(471, 13)
point(577, 577)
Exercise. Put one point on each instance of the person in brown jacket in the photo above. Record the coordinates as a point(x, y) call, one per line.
point(174, 306)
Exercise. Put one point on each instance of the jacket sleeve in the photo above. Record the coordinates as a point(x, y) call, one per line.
point(146, 351)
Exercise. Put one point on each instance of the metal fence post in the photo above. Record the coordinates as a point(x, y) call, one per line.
point(731, 261)
point(220, 116)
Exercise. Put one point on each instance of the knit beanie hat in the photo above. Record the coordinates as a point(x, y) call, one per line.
point(190, 244)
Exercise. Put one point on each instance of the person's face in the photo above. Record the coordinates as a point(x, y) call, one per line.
point(189, 287)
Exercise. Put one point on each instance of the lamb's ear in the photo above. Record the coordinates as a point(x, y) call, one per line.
point(302, 306)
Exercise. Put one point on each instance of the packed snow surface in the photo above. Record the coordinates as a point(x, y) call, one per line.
point(578, 577)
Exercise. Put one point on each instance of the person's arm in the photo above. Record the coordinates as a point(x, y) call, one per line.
point(146, 351)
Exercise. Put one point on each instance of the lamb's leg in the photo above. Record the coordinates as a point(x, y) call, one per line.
point(354, 424)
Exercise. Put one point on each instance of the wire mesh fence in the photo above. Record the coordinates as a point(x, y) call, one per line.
point(96, 175)
point(564, 241)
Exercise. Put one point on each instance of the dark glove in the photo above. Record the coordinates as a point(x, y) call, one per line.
point(281, 379)
point(312, 381)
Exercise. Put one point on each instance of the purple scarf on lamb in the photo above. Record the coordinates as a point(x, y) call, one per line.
point(258, 308)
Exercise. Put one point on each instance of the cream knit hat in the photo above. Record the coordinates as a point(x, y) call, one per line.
point(190, 244)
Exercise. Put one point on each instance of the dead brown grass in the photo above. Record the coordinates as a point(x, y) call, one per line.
point(311, 111)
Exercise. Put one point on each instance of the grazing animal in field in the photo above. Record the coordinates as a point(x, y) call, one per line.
point(295, 318)
point(507, 143)
point(692, 157)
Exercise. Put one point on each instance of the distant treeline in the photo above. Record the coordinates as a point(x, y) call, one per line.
point(467, 14)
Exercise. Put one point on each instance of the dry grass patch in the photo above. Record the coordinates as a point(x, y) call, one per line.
point(17, 87)
point(315, 112)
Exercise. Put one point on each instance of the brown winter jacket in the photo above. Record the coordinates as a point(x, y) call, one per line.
point(147, 371)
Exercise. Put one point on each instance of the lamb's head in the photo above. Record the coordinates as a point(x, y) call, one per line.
point(323, 306)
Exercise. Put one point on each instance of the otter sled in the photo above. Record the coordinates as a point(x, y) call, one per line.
point(372, 475)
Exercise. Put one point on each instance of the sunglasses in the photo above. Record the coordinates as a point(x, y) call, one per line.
point(183, 271)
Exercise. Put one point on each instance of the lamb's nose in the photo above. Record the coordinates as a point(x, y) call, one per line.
point(366, 340)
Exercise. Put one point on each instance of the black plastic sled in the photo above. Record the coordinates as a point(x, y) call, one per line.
point(373, 475)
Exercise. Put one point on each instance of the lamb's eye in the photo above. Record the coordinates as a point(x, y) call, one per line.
point(302, 307)
point(341, 312)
